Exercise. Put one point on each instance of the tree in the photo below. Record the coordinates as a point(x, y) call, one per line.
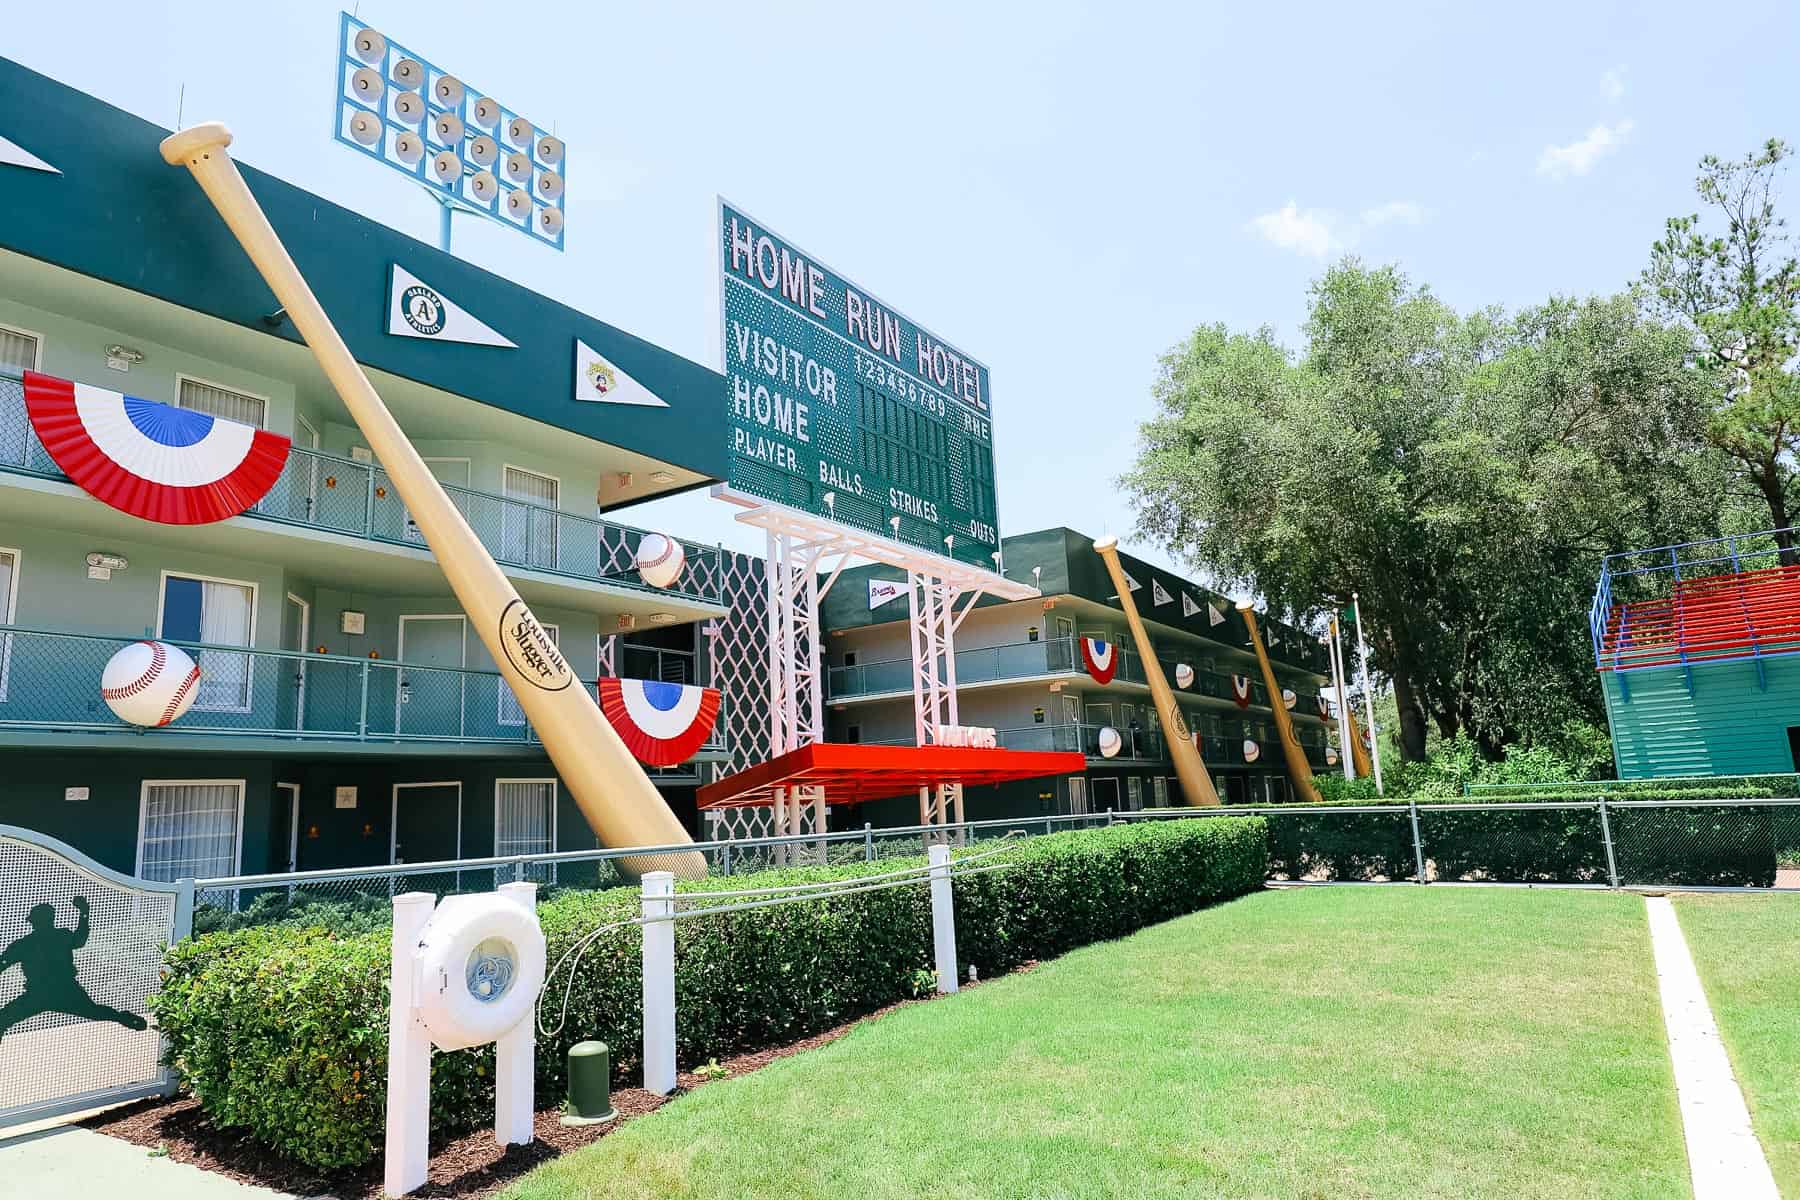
point(1463, 474)
point(1739, 294)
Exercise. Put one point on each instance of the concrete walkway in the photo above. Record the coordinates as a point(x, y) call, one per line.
point(1724, 1157)
point(67, 1162)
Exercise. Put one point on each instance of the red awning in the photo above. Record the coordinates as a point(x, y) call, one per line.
point(851, 774)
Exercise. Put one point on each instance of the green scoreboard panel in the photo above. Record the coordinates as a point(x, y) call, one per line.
point(846, 409)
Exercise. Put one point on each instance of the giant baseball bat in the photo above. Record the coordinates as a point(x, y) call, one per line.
point(1299, 770)
point(610, 787)
point(1196, 781)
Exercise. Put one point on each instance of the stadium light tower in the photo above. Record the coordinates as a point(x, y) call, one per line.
point(469, 151)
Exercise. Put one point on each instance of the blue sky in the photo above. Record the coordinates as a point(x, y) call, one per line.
point(1064, 190)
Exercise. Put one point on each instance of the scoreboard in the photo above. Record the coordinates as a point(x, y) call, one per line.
point(844, 408)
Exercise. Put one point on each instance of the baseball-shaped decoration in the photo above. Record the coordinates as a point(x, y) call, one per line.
point(660, 559)
point(1252, 751)
point(150, 683)
point(1184, 675)
point(1288, 697)
point(1109, 742)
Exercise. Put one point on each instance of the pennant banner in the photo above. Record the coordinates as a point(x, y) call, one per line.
point(1214, 616)
point(15, 155)
point(418, 310)
point(1100, 658)
point(1130, 583)
point(1159, 594)
point(1240, 690)
point(1189, 606)
point(663, 724)
point(171, 465)
point(883, 591)
point(598, 380)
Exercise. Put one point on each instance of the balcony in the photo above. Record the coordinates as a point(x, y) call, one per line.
point(50, 683)
point(327, 494)
point(1030, 660)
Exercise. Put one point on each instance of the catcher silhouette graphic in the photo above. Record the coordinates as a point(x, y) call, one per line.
point(46, 955)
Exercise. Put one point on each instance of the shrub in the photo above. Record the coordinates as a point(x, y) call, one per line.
point(282, 1031)
point(1693, 846)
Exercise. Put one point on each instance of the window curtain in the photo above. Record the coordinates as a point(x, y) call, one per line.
point(221, 402)
point(224, 621)
point(18, 352)
point(524, 822)
point(529, 535)
point(8, 573)
point(190, 831)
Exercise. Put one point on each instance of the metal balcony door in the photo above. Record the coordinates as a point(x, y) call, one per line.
point(296, 621)
point(427, 827)
point(431, 703)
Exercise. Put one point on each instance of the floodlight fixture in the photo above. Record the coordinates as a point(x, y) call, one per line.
point(470, 151)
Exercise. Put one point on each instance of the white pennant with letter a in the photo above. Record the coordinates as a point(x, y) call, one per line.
point(1188, 607)
point(1131, 584)
point(1214, 616)
point(599, 380)
point(1159, 594)
point(416, 309)
point(15, 155)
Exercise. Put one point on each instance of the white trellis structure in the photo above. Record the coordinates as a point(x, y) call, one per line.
point(806, 555)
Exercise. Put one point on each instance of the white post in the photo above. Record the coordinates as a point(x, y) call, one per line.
point(659, 982)
point(409, 1054)
point(514, 1054)
point(1336, 646)
point(943, 918)
point(1362, 648)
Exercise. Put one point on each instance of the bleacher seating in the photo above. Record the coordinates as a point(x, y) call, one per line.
point(1712, 618)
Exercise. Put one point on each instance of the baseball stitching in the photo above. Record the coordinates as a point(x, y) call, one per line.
point(175, 700)
point(157, 661)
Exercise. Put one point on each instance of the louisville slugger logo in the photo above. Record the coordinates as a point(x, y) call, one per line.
point(530, 651)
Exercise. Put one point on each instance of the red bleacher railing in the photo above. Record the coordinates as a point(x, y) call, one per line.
point(1745, 603)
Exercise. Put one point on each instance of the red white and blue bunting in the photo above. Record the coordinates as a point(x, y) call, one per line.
point(1100, 658)
point(171, 465)
point(663, 724)
point(1240, 690)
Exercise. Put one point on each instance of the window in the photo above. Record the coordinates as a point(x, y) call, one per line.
point(1077, 796)
point(189, 828)
point(9, 597)
point(525, 822)
point(1159, 792)
point(218, 612)
point(528, 535)
point(205, 397)
point(1134, 793)
point(18, 352)
point(853, 734)
point(849, 658)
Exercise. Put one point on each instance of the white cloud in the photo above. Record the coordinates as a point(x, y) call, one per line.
point(1612, 84)
point(1318, 232)
point(1394, 212)
point(1579, 157)
point(1310, 232)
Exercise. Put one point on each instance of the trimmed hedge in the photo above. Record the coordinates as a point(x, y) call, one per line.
point(1692, 846)
point(282, 1031)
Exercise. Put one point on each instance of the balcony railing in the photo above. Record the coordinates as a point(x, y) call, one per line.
point(341, 495)
point(1025, 660)
point(51, 681)
point(1137, 746)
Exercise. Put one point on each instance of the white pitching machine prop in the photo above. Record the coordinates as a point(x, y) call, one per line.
point(464, 974)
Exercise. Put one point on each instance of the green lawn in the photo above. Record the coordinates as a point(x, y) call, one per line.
point(1318, 1043)
point(1748, 952)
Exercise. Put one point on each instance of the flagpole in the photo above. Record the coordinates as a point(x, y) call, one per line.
point(1362, 649)
point(1345, 752)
